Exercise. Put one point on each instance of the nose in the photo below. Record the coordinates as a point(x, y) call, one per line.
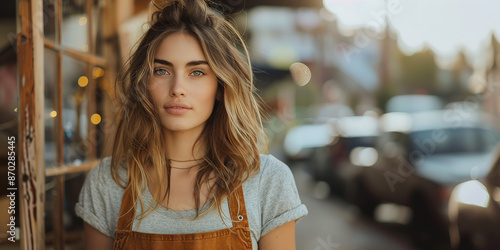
point(177, 89)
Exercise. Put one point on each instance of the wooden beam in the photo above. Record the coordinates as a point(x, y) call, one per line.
point(91, 88)
point(31, 124)
point(276, 3)
point(93, 59)
point(235, 6)
point(58, 192)
point(111, 52)
point(71, 169)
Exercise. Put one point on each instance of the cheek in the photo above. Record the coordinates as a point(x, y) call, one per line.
point(155, 94)
point(206, 99)
point(208, 93)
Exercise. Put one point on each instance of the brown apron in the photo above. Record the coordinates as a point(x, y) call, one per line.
point(237, 237)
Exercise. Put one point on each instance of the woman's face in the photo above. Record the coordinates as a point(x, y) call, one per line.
point(183, 86)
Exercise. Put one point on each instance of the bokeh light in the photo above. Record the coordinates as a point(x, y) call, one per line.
point(83, 81)
point(95, 119)
point(82, 21)
point(97, 72)
point(301, 74)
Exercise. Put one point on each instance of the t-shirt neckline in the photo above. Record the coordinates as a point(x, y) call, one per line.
point(191, 213)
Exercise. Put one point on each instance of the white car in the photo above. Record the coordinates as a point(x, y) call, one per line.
point(301, 140)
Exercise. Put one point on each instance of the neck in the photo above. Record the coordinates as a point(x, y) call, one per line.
point(181, 147)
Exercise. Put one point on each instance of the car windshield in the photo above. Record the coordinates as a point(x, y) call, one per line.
point(455, 140)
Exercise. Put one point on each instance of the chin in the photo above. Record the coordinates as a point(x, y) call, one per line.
point(176, 128)
point(181, 127)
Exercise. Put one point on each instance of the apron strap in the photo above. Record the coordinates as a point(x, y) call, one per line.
point(238, 209)
point(127, 212)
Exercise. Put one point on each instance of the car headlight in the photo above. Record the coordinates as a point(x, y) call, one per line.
point(363, 156)
point(473, 193)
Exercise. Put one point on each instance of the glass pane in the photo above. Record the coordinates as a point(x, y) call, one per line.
point(48, 214)
point(49, 20)
point(73, 225)
point(98, 22)
point(50, 114)
point(75, 122)
point(74, 25)
point(72, 187)
point(50, 183)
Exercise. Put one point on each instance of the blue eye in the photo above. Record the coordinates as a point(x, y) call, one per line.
point(160, 72)
point(197, 73)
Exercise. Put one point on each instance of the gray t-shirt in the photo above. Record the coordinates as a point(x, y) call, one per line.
point(271, 200)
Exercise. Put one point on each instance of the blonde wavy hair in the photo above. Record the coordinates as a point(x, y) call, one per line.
point(233, 134)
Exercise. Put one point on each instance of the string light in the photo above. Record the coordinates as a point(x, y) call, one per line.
point(82, 21)
point(83, 81)
point(97, 72)
point(95, 119)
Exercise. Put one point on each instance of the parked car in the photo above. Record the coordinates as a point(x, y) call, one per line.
point(300, 141)
point(336, 162)
point(474, 211)
point(413, 103)
point(421, 157)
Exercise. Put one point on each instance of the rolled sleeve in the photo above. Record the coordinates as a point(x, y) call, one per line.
point(280, 201)
point(91, 206)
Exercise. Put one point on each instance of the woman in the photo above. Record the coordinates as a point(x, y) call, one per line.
point(186, 172)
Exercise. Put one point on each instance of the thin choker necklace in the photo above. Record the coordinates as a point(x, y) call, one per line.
point(197, 164)
point(171, 160)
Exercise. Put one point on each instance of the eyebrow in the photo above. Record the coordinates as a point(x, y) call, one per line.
point(191, 63)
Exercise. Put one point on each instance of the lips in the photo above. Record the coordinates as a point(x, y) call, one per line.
point(177, 108)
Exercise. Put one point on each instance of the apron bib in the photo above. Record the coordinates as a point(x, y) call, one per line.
point(237, 237)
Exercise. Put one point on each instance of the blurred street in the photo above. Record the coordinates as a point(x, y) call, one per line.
point(335, 224)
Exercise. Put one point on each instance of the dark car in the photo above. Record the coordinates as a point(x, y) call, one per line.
point(421, 157)
point(352, 146)
point(474, 212)
point(302, 140)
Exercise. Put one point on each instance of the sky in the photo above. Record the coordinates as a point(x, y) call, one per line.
point(445, 26)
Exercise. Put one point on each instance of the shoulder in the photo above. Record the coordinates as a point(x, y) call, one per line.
point(272, 168)
point(100, 198)
point(102, 172)
point(274, 176)
point(100, 180)
point(274, 192)
point(271, 172)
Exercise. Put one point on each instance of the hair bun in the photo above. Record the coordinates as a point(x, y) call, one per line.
point(176, 12)
point(161, 4)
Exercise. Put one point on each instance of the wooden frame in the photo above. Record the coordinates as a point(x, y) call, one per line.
point(32, 171)
point(31, 124)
